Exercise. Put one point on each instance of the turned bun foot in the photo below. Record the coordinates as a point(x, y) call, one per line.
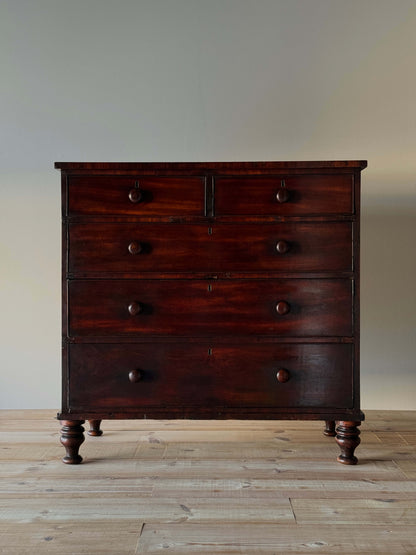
point(72, 436)
point(329, 428)
point(72, 459)
point(95, 428)
point(347, 437)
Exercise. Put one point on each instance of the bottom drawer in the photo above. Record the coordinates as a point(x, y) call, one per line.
point(135, 376)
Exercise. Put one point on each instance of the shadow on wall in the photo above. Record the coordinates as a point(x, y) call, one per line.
point(388, 308)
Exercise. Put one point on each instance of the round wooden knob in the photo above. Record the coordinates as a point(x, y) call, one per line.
point(282, 307)
point(135, 308)
point(282, 195)
point(282, 375)
point(282, 247)
point(135, 376)
point(135, 195)
point(135, 247)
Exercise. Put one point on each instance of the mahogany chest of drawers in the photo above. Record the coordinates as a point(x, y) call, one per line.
point(211, 290)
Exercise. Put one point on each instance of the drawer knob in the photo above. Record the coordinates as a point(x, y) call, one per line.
point(282, 195)
point(282, 247)
point(282, 307)
point(135, 195)
point(282, 375)
point(135, 247)
point(135, 376)
point(135, 308)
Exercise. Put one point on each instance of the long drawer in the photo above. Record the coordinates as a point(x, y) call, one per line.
point(129, 247)
point(136, 196)
point(284, 195)
point(296, 307)
point(269, 375)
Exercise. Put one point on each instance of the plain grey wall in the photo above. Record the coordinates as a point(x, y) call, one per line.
point(195, 80)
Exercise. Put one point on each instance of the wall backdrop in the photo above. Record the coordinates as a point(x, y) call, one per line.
point(199, 80)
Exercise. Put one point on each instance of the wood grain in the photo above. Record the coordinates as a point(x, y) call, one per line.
point(97, 248)
point(318, 376)
point(70, 537)
point(160, 196)
point(190, 487)
point(306, 195)
point(207, 308)
point(183, 539)
point(229, 254)
point(152, 168)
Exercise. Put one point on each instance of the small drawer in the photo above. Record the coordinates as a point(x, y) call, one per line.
point(136, 196)
point(287, 195)
point(285, 307)
point(139, 248)
point(135, 377)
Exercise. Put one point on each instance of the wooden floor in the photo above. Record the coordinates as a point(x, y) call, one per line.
point(207, 487)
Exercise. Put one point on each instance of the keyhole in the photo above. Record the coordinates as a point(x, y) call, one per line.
point(210, 288)
point(210, 231)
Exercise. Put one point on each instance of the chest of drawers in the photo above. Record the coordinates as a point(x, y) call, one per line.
point(211, 290)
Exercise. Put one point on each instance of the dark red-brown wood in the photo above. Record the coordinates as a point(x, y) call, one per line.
point(141, 376)
point(330, 428)
point(208, 307)
point(95, 428)
point(211, 290)
point(72, 436)
point(137, 248)
point(347, 437)
point(141, 196)
point(260, 167)
point(285, 195)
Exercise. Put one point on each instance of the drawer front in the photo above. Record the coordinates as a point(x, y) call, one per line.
point(135, 196)
point(175, 375)
point(297, 307)
point(175, 248)
point(286, 196)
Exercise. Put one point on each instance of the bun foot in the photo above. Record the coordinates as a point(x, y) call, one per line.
point(329, 428)
point(95, 428)
point(72, 436)
point(347, 437)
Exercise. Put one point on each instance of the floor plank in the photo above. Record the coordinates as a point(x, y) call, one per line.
point(355, 511)
point(184, 539)
point(144, 507)
point(71, 537)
